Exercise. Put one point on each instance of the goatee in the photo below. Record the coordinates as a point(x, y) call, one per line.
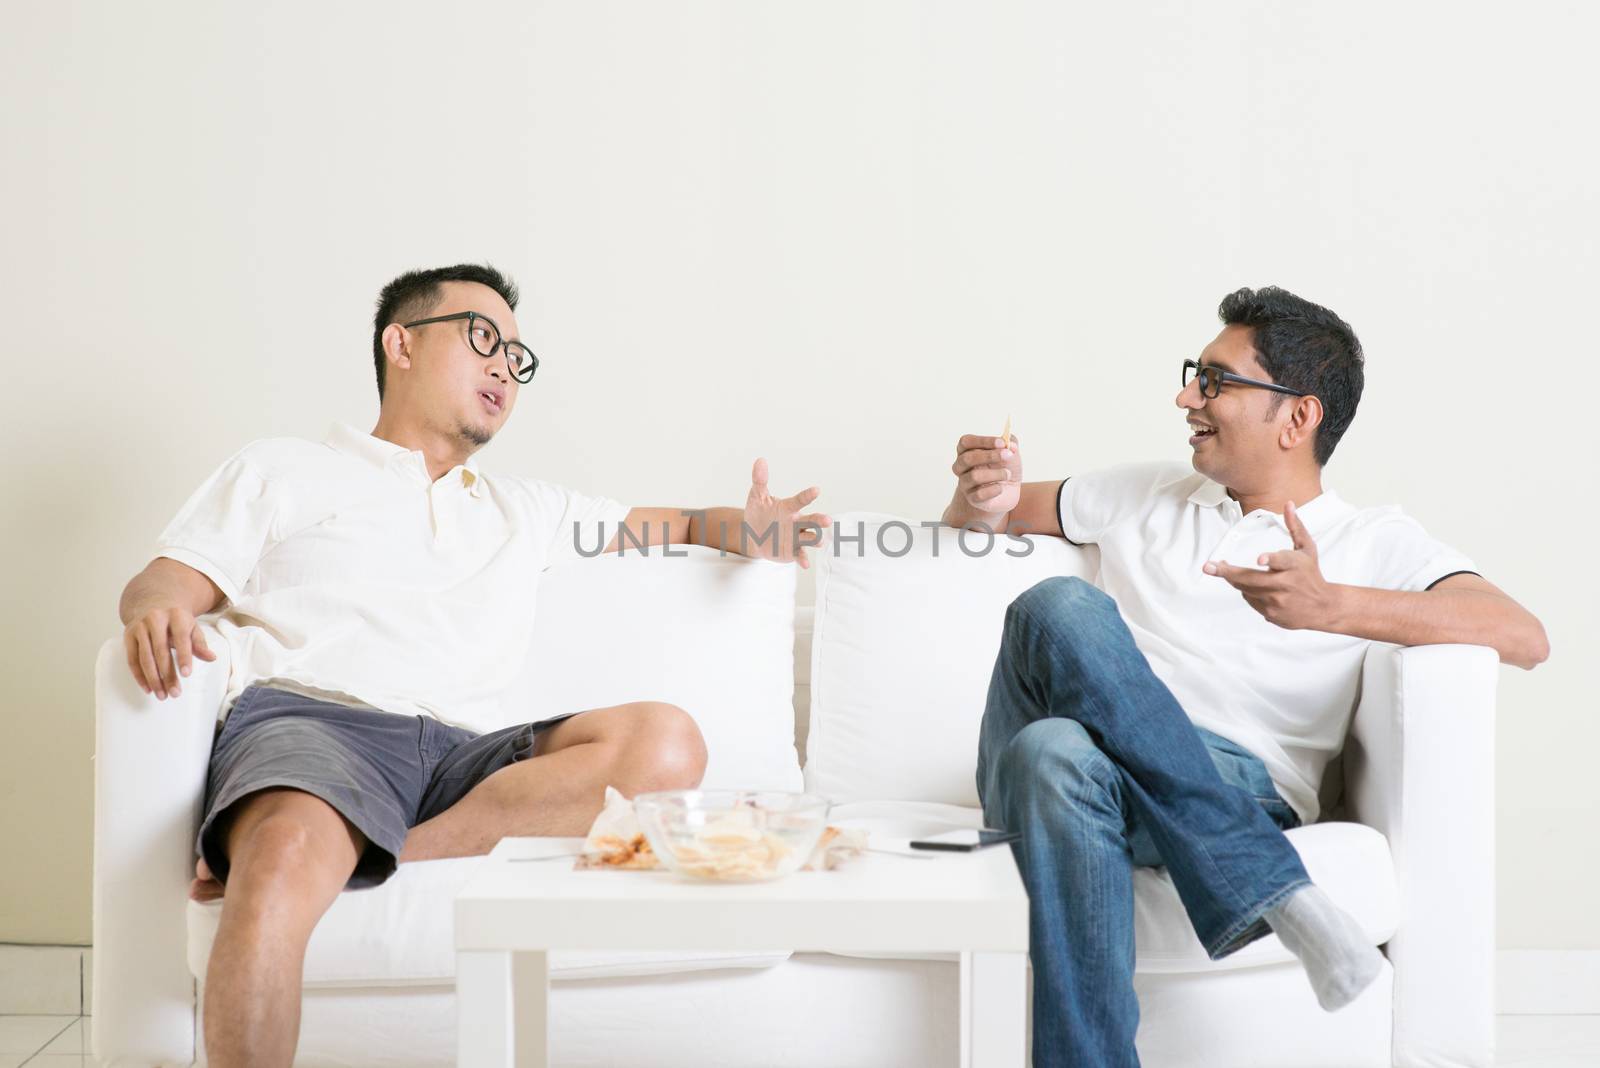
point(471, 433)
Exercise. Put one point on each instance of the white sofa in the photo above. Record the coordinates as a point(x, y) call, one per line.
point(882, 685)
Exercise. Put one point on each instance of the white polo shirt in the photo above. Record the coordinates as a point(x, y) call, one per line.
point(351, 575)
point(1286, 695)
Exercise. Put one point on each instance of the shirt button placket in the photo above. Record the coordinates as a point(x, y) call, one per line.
point(440, 510)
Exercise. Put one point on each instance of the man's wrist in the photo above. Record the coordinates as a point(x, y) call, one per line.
point(964, 516)
point(144, 606)
point(1344, 604)
point(137, 606)
point(995, 522)
point(138, 603)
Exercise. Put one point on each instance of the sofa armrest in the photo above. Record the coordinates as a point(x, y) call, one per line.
point(150, 768)
point(1419, 767)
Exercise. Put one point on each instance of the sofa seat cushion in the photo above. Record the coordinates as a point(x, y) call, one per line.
point(1350, 861)
point(402, 934)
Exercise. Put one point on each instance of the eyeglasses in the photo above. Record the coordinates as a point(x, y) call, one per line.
point(484, 336)
point(1211, 379)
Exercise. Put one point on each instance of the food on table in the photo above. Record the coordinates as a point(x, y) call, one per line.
point(731, 847)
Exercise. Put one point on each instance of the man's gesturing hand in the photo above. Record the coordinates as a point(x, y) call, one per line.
point(1292, 594)
point(988, 473)
point(150, 641)
point(774, 526)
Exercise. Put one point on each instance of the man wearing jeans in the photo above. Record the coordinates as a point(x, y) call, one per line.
point(1181, 711)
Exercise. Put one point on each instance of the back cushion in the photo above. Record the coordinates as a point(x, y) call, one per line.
point(902, 652)
point(712, 634)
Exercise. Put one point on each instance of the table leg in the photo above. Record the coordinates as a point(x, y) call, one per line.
point(993, 1010)
point(502, 1009)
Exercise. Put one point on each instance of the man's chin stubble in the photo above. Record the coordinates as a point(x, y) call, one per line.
point(469, 433)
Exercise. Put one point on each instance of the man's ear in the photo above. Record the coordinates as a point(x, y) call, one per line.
point(1304, 419)
point(394, 346)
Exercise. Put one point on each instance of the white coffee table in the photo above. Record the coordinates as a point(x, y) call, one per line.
point(514, 911)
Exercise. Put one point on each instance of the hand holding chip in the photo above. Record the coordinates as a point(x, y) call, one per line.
point(989, 472)
point(1291, 593)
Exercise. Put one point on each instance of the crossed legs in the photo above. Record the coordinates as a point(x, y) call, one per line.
point(1079, 741)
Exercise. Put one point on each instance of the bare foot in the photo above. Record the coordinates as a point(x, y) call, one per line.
point(205, 886)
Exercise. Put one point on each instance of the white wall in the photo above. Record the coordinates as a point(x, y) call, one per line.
point(839, 234)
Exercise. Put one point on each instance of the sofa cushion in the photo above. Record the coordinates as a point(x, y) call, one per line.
point(713, 634)
point(402, 934)
point(902, 650)
point(1350, 861)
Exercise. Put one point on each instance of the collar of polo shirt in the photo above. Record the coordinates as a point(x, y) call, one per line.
point(347, 439)
point(1321, 511)
point(1210, 494)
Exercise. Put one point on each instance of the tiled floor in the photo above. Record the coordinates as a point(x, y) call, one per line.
point(43, 1040)
point(1524, 1041)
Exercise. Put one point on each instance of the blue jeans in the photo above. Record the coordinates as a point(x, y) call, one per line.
point(1087, 753)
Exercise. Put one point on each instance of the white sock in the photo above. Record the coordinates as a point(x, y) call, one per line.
point(1338, 957)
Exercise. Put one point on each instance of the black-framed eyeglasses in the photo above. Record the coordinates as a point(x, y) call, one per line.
point(1211, 379)
point(484, 337)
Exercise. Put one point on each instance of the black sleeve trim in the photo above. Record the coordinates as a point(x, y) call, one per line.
point(1060, 520)
point(1452, 574)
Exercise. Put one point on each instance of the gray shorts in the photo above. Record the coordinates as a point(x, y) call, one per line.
point(383, 772)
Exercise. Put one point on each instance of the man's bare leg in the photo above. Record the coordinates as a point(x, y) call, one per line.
point(289, 855)
point(635, 747)
point(643, 748)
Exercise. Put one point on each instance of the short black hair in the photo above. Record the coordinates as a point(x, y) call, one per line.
point(416, 293)
point(1306, 347)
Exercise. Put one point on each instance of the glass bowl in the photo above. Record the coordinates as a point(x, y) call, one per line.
point(737, 836)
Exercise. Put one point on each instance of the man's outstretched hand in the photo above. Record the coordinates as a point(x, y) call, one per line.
point(1292, 593)
point(775, 528)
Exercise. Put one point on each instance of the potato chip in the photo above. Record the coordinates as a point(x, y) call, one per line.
point(615, 840)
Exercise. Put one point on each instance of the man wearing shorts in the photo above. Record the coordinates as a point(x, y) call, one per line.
point(1182, 709)
point(376, 593)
